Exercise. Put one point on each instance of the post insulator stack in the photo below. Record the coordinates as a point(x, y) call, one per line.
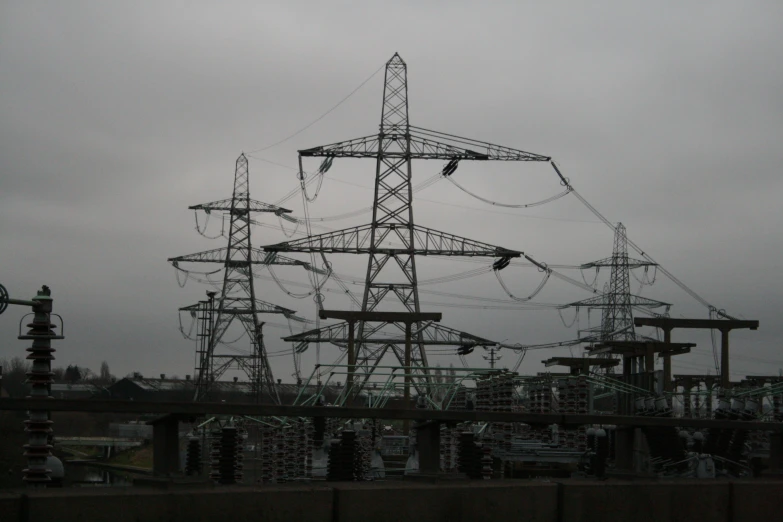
point(289, 463)
point(446, 460)
point(573, 395)
point(38, 425)
point(460, 400)
point(193, 457)
point(279, 451)
point(363, 458)
point(486, 461)
point(342, 453)
point(469, 455)
point(227, 456)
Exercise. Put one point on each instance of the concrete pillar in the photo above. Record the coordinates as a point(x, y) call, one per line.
point(407, 387)
point(351, 359)
point(165, 445)
point(725, 381)
point(624, 443)
point(776, 452)
point(428, 446)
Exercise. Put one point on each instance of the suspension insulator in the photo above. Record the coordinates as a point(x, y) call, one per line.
point(450, 167)
point(226, 456)
point(501, 263)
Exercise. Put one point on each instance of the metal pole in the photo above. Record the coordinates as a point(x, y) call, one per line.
point(351, 357)
point(406, 396)
point(667, 362)
point(724, 360)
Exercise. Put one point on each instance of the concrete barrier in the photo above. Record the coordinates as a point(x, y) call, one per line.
point(691, 501)
point(452, 501)
point(281, 504)
point(10, 506)
point(475, 501)
point(757, 501)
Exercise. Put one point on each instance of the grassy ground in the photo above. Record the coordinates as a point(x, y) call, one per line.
point(140, 457)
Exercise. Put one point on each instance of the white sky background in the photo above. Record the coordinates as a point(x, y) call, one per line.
point(115, 117)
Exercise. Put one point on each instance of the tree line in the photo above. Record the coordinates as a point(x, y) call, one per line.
point(14, 375)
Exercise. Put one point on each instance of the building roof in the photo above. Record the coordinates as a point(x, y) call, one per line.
point(76, 387)
point(160, 385)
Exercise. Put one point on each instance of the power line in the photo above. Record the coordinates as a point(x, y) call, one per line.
point(319, 118)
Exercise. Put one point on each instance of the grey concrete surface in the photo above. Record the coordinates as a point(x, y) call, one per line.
point(452, 501)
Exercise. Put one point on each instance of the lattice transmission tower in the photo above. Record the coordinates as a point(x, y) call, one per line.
point(237, 297)
point(391, 272)
point(617, 302)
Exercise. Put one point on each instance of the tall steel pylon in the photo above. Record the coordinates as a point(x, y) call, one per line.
point(617, 302)
point(393, 148)
point(618, 316)
point(237, 297)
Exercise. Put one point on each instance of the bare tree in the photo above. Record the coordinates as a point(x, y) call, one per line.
point(105, 375)
point(439, 380)
point(58, 374)
point(15, 376)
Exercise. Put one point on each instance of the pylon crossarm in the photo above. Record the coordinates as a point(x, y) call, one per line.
point(439, 334)
point(613, 261)
point(433, 242)
point(364, 147)
point(241, 305)
point(608, 301)
point(251, 205)
point(432, 334)
point(218, 255)
point(354, 240)
point(429, 144)
point(357, 240)
point(424, 144)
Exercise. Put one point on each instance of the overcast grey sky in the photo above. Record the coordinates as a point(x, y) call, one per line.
point(115, 116)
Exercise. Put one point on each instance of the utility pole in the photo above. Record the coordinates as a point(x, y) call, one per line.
point(491, 357)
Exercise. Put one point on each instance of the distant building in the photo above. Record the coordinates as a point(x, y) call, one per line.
point(78, 391)
point(144, 389)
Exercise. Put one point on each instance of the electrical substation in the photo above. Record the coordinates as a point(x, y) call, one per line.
point(375, 407)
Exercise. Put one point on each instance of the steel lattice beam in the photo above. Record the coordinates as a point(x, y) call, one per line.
point(252, 256)
point(426, 242)
point(424, 144)
point(432, 335)
point(252, 206)
point(241, 305)
point(607, 301)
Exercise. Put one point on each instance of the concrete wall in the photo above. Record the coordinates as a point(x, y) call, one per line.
point(563, 501)
point(692, 501)
point(451, 501)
